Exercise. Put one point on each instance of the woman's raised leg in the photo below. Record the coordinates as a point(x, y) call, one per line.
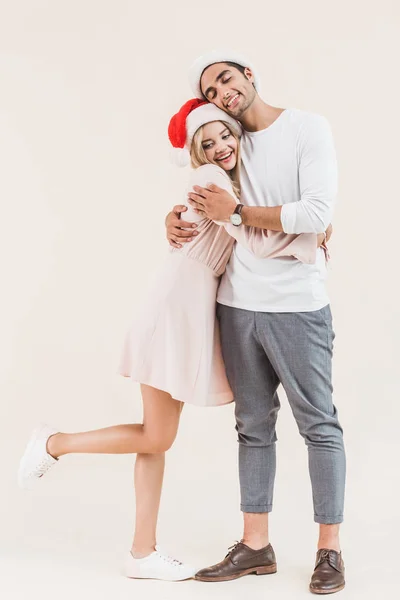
point(46, 445)
point(146, 437)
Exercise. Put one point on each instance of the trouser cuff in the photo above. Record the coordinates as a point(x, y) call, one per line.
point(328, 520)
point(251, 508)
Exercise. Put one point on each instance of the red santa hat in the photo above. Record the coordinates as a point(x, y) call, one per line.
point(192, 115)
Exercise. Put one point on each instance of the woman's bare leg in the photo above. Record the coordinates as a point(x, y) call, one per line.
point(149, 475)
point(126, 439)
point(161, 417)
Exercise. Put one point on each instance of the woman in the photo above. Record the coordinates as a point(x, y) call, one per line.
point(172, 348)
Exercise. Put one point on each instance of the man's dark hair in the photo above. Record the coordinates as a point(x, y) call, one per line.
point(236, 66)
point(239, 68)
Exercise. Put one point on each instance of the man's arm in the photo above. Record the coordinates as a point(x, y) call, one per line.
point(317, 181)
point(264, 217)
point(217, 204)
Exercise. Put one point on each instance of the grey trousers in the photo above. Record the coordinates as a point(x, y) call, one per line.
point(262, 350)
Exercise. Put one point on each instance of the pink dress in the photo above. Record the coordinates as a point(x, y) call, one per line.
point(173, 343)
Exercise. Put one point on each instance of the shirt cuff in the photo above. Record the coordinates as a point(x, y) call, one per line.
point(287, 218)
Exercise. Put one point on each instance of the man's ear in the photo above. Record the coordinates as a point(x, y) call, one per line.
point(248, 73)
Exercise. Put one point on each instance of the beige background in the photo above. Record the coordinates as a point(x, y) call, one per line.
point(86, 91)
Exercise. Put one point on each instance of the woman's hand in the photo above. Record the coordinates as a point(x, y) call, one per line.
point(329, 232)
point(323, 238)
point(176, 234)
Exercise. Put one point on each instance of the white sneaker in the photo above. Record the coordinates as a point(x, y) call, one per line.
point(36, 461)
point(158, 566)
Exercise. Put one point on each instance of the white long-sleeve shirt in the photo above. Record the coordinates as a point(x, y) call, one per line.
point(291, 163)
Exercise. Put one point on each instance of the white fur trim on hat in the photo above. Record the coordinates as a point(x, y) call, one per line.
point(180, 157)
point(217, 56)
point(207, 113)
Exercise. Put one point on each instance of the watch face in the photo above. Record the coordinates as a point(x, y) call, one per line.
point(236, 219)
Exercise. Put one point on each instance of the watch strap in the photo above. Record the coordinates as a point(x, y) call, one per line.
point(238, 209)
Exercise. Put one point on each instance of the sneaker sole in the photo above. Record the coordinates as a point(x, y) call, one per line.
point(159, 578)
point(269, 570)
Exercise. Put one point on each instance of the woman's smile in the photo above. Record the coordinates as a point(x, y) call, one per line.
point(219, 145)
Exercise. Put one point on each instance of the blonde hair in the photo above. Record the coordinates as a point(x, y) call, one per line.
point(198, 156)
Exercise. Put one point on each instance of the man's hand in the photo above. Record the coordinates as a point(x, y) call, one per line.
point(176, 234)
point(212, 202)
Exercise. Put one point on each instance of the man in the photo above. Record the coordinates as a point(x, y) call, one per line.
point(274, 314)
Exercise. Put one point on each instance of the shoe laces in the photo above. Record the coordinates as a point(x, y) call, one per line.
point(232, 548)
point(169, 559)
point(325, 556)
point(42, 467)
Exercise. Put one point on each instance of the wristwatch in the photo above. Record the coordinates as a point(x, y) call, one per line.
point(236, 217)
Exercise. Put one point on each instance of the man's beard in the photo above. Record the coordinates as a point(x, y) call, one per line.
point(242, 109)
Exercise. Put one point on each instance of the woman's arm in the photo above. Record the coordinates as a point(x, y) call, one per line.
point(273, 244)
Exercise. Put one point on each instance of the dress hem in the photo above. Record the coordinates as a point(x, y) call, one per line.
point(163, 388)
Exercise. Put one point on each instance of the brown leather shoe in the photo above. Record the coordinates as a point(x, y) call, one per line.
point(240, 560)
point(328, 576)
